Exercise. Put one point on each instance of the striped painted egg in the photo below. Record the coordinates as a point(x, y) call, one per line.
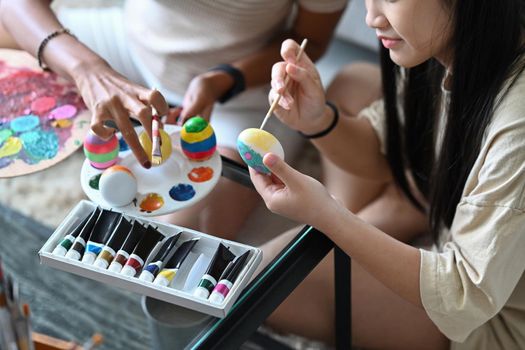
point(197, 139)
point(253, 144)
point(118, 186)
point(101, 154)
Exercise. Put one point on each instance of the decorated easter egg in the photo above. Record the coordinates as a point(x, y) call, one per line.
point(197, 139)
point(253, 144)
point(101, 154)
point(165, 144)
point(118, 186)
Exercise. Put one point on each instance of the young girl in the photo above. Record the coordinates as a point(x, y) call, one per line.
point(450, 132)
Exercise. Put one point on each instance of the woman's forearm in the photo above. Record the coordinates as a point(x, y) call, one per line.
point(395, 264)
point(29, 22)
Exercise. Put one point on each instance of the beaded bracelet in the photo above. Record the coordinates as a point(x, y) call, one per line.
point(44, 42)
point(330, 127)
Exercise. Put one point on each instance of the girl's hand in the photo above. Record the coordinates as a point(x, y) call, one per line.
point(289, 193)
point(110, 96)
point(204, 90)
point(303, 102)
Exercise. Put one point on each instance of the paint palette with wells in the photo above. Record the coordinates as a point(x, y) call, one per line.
point(167, 262)
point(112, 177)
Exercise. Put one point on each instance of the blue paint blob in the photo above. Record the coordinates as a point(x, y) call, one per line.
point(5, 161)
point(123, 145)
point(40, 144)
point(25, 123)
point(182, 192)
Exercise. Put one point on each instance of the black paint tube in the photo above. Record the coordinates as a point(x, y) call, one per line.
point(164, 254)
point(217, 265)
point(77, 250)
point(66, 242)
point(142, 250)
point(228, 278)
point(105, 225)
point(135, 235)
point(166, 276)
point(115, 242)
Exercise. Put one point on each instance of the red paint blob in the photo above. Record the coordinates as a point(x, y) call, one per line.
point(43, 104)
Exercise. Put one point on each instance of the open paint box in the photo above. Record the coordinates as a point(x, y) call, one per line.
point(185, 288)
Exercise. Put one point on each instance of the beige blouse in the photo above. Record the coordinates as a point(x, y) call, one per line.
point(473, 283)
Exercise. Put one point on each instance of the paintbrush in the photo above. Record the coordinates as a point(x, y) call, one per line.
point(156, 153)
point(286, 82)
point(92, 343)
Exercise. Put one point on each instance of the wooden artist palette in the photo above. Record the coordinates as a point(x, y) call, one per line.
point(175, 184)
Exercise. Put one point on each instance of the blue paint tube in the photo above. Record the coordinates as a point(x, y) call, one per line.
point(165, 252)
point(105, 225)
point(79, 246)
point(217, 265)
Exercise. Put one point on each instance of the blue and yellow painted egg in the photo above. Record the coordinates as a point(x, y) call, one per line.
point(253, 144)
point(197, 139)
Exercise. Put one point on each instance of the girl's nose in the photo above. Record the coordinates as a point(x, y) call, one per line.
point(374, 16)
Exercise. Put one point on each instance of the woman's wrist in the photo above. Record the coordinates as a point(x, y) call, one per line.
point(321, 124)
point(219, 82)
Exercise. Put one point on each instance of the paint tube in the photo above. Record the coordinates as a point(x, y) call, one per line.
point(77, 250)
point(140, 253)
point(7, 331)
point(105, 257)
point(217, 265)
point(135, 235)
point(66, 242)
point(164, 254)
point(228, 278)
point(105, 225)
point(166, 276)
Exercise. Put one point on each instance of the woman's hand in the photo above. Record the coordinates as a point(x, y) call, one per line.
point(302, 105)
point(204, 90)
point(296, 196)
point(110, 96)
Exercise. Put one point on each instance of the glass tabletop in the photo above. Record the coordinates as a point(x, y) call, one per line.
point(70, 307)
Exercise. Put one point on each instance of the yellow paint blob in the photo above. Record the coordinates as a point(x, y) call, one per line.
point(12, 146)
point(165, 146)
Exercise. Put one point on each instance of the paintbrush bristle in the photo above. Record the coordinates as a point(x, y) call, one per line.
point(156, 160)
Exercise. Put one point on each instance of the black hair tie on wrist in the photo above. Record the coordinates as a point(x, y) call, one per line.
point(330, 127)
point(239, 84)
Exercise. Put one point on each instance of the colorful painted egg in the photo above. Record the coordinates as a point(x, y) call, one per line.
point(101, 154)
point(118, 186)
point(253, 144)
point(165, 146)
point(197, 139)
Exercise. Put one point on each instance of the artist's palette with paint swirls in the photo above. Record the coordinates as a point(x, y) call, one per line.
point(175, 184)
point(42, 118)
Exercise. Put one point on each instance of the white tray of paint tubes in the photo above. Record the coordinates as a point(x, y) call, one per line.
point(167, 262)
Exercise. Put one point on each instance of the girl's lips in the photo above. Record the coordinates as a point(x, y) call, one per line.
point(389, 43)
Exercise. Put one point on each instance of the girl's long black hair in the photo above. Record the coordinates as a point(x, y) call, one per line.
point(487, 42)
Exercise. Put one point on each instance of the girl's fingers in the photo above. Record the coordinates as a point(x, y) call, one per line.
point(278, 76)
point(290, 50)
point(155, 99)
point(101, 114)
point(141, 111)
point(121, 117)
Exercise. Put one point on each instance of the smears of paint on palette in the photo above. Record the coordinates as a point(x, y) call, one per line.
point(42, 118)
point(197, 139)
point(253, 144)
point(182, 192)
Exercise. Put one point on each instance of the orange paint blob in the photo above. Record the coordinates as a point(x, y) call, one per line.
point(151, 202)
point(200, 174)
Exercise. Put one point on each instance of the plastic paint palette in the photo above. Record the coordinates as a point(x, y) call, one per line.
point(175, 184)
point(180, 293)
